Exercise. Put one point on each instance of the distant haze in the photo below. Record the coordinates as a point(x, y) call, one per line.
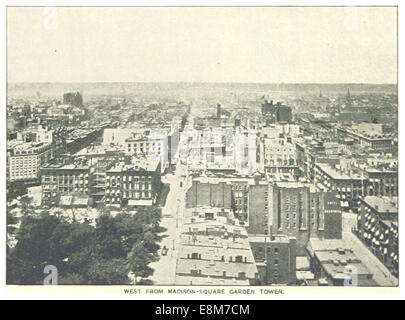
point(244, 45)
point(177, 91)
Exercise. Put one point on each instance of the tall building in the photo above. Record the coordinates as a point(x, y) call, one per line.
point(73, 98)
point(289, 208)
point(219, 112)
point(296, 210)
point(275, 113)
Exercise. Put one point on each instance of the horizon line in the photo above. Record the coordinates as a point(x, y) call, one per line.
point(203, 82)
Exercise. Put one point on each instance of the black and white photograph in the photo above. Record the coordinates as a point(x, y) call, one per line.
point(252, 149)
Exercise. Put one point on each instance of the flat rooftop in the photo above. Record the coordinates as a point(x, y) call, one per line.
point(382, 204)
point(336, 174)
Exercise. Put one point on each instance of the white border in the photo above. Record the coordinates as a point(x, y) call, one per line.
point(309, 296)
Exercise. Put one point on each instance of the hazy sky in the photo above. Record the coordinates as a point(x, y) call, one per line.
point(325, 45)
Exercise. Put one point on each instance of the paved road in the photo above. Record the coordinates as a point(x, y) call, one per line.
point(173, 215)
point(381, 274)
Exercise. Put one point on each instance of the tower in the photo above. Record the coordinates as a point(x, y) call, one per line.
point(219, 111)
point(348, 98)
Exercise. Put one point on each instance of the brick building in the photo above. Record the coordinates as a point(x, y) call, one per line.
point(378, 227)
point(303, 212)
point(64, 179)
point(135, 184)
point(275, 258)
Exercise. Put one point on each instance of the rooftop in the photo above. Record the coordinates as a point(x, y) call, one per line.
point(382, 204)
point(137, 164)
point(336, 174)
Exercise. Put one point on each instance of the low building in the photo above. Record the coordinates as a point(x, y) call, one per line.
point(334, 263)
point(214, 250)
point(135, 184)
point(61, 179)
point(365, 137)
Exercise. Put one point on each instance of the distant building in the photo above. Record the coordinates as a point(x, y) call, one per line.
point(275, 113)
point(79, 138)
point(369, 137)
point(348, 98)
point(38, 134)
point(73, 98)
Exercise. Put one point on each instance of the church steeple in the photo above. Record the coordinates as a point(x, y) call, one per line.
point(348, 98)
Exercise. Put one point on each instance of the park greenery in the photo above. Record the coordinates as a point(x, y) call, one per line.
point(114, 250)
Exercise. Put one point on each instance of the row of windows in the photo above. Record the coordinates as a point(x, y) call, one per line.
point(128, 178)
point(133, 195)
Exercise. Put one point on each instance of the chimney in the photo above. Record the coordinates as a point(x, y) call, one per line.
point(272, 238)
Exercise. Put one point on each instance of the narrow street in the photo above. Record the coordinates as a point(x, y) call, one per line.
point(172, 220)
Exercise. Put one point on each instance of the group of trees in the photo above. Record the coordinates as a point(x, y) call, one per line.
point(104, 253)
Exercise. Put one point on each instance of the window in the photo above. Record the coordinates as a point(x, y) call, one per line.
point(242, 275)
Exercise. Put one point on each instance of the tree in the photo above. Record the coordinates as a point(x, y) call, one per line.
point(108, 240)
point(138, 260)
point(84, 254)
point(12, 220)
point(108, 272)
point(72, 279)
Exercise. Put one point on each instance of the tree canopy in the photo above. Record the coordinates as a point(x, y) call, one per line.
point(85, 254)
